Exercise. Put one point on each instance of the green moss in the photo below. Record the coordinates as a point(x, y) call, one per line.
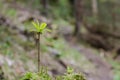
point(43, 75)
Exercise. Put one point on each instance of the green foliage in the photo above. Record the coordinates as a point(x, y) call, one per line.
point(39, 28)
point(43, 75)
point(65, 13)
point(116, 68)
point(117, 76)
point(70, 75)
point(61, 9)
point(30, 76)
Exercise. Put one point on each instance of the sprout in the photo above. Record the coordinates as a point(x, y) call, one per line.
point(39, 29)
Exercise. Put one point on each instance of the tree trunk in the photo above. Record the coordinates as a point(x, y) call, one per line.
point(44, 7)
point(94, 8)
point(78, 7)
point(113, 16)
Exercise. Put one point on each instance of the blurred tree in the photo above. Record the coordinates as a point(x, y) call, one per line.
point(78, 5)
point(94, 8)
point(113, 15)
point(62, 9)
point(45, 6)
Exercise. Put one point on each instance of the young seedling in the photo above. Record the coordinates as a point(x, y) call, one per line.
point(39, 29)
point(42, 73)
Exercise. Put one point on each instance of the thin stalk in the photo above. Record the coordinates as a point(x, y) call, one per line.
point(38, 51)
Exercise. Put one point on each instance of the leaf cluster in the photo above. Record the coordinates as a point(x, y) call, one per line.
point(39, 28)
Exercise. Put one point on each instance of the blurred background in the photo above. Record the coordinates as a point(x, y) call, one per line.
point(85, 35)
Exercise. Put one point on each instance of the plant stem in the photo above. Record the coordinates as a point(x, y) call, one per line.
point(38, 52)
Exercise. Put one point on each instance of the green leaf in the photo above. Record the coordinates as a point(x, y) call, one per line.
point(40, 27)
point(35, 25)
point(43, 26)
point(48, 30)
point(38, 24)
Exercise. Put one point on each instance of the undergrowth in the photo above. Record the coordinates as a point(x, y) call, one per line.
point(43, 75)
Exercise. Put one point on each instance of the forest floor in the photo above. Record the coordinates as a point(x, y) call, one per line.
point(18, 51)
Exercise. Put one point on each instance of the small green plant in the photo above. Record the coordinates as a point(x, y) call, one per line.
point(43, 75)
point(70, 75)
point(39, 29)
